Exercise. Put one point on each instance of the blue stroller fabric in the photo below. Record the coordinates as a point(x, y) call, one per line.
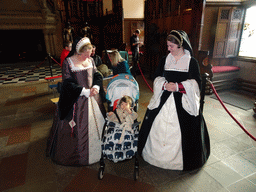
point(116, 151)
point(120, 85)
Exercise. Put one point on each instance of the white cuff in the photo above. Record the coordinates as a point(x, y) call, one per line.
point(85, 92)
point(177, 87)
point(165, 85)
point(97, 87)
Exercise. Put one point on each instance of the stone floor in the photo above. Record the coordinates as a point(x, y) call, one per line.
point(25, 120)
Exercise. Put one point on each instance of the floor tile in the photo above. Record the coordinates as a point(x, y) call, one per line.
point(163, 175)
point(242, 185)
point(232, 129)
point(24, 101)
point(221, 151)
point(13, 171)
point(223, 174)
point(16, 149)
point(240, 165)
point(236, 145)
point(86, 179)
point(43, 186)
point(40, 167)
point(211, 160)
point(202, 182)
point(3, 142)
point(5, 132)
point(177, 185)
point(24, 113)
point(244, 138)
point(249, 155)
point(19, 135)
point(217, 134)
point(144, 177)
point(116, 184)
point(252, 178)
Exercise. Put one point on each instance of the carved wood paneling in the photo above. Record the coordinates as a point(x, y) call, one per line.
point(234, 30)
point(219, 51)
point(222, 31)
point(231, 48)
point(228, 31)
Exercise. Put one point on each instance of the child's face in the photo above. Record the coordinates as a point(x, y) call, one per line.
point(124, 105)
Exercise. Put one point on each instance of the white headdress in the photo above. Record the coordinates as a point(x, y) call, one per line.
point(82, 42)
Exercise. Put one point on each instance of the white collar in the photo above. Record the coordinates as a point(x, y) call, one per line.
point(182, 65)
point(74, 68)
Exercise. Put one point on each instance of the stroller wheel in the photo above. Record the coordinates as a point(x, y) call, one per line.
point(101, 173)
point(136, 174)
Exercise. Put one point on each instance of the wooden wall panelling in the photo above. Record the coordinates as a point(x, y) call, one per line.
point(157, 10)
point(186, 21)
point(198, 7)
point(209, 28)
point(160, 7)
point(168, 21)
point(147, 19)
point(165, 8)
point(127, 33)
point(176, 22)
point(112, 31)
point(222, 32)
point(228, 32)
point(234, 32)
point(161, 24)
point(97, 38)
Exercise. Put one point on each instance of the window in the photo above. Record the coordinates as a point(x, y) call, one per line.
point(248, 40)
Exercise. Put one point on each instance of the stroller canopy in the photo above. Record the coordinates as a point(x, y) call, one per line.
point(120, 85)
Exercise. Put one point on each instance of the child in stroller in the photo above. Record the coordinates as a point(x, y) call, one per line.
point(124, 115)
point(120, 134)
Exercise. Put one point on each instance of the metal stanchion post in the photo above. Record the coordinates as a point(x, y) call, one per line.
point(50, 63)
point(205, 76)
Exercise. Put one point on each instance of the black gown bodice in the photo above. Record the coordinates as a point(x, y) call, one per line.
point(175, 76)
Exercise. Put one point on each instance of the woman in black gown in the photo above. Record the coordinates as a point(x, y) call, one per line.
point(79, 118)
point(173, 134)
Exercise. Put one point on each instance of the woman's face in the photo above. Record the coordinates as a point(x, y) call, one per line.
point(87, 53)
point(172, 47)
point(112, 58)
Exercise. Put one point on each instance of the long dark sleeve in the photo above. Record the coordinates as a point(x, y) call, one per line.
point(69, 93)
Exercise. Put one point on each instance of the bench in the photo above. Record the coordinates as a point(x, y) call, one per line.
point(222, 77)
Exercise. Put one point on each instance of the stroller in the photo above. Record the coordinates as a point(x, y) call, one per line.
point(112, 148)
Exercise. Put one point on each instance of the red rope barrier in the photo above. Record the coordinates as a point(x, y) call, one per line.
point(55, 60)
point(54, 77)
point(231, 114)
point(144, 78)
